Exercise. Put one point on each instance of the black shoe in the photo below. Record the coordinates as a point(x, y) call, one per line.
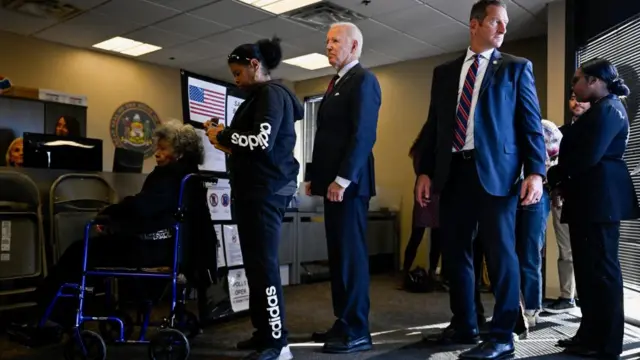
point(271, 354)
point(560, 306)
point(570, 342)
point(582, 351)
point(490, 350)
point(348, 345)
point(324, 336)
point(449, 336)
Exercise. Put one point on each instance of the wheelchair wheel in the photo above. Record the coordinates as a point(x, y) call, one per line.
point(110, 330)
point(88, 346)
point(187, 322)
point(169, 344)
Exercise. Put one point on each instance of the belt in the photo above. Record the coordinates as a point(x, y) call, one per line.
point(463, 155)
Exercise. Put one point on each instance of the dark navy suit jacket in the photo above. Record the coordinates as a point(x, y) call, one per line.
point(507, 124)
point(345, 135)
point(593, 176)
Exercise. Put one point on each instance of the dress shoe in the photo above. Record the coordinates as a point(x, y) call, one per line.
point(490, 350)
point(348, 345)
point(449, 336)
point(570, 342)
point(324, 336)
point(582, 351)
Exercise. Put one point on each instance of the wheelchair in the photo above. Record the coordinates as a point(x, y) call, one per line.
point(174, 330)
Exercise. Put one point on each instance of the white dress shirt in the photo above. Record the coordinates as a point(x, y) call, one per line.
point(340, 180)
point(483, 63)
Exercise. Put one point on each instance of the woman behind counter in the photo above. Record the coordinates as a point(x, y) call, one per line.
point(263, 172)
point(598, 193)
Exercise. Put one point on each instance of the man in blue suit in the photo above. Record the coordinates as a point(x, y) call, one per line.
point(483, 130)
point(342, 173)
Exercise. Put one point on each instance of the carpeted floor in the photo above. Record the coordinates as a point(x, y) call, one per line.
point(398, 320)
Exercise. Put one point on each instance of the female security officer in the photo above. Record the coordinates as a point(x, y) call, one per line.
point(263, 170)
point(598, 193)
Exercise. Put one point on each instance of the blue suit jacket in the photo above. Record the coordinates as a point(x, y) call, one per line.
point(591, 172)
point(346, 132)
point(507, 124)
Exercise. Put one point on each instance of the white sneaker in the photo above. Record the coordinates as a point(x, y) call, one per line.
point(285, 353)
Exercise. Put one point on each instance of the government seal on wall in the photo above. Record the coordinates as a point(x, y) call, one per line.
point(132, 126)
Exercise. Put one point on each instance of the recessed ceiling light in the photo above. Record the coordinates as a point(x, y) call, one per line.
point(126, 46)
point(313, 61)
point(279, 6)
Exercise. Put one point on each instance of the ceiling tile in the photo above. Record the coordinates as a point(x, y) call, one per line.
point(371, 58)
point(87, 29)
point(535, 7)
point(137, 11)
point(207, 66)
point(183, 5)
point(231, 13)
point(312, 42)
point(22, 24)
point(424, 23)
point(283, 28)
point(158, 37)
point(391, 42)
point(84, 4)
point(186, 53)
point(459, 9)
point(225, 42)
point(191, 26)
point(376, 7)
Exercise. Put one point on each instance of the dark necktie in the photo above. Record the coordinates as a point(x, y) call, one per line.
point(332, 83)
point(464, 106)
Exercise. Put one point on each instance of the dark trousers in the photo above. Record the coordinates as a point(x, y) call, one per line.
point(412, 249)
point(465, 208)
point(346, 229)
point(259, 224)
point(531, 224)
point(599, 282)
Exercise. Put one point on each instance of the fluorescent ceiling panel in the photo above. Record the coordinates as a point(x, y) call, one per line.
point(279, 6)
point(313, 61)
point(126, 46)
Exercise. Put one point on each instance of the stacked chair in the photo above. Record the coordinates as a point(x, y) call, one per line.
point(22, 245)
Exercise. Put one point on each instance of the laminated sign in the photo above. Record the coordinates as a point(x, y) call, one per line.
point(238, 290)
point(222, 262)
point(219, 200)
point(232, 245)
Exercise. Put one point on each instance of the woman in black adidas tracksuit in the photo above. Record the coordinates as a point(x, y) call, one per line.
point(263, 170)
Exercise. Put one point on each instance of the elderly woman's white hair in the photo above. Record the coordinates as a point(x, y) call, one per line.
point(184, 140)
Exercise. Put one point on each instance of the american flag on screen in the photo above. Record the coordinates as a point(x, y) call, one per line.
point(206, 102)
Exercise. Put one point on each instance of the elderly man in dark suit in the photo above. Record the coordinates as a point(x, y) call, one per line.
point(484, 129)
point(342, 173)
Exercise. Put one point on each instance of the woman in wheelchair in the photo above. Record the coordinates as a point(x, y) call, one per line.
point(138, 230)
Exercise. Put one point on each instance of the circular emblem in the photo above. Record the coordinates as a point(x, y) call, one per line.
point(132, 126)
point(213, 200)
point(225, 200)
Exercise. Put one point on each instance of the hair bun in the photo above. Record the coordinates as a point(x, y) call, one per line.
point(619, 88)
point(271, 52)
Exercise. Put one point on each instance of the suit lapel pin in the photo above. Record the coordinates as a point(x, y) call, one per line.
point(337, 94)
point(495, 62)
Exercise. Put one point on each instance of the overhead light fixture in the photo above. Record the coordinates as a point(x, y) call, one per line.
point(313, 61)
point(127, 46)
point(279, 6)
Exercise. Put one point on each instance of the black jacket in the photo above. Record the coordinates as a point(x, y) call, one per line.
point(262, 137)
point(591, 171)
point(154, 207)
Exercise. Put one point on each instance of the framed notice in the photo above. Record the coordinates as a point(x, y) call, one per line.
point(222, 261)
point(238, 290)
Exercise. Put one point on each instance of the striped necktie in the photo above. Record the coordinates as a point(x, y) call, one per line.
point(464, 106)
point(332, 83)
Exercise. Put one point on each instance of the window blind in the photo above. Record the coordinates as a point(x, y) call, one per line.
point(620, 45)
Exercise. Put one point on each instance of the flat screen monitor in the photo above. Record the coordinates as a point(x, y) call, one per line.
point(127, 161)
point(49, 151)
